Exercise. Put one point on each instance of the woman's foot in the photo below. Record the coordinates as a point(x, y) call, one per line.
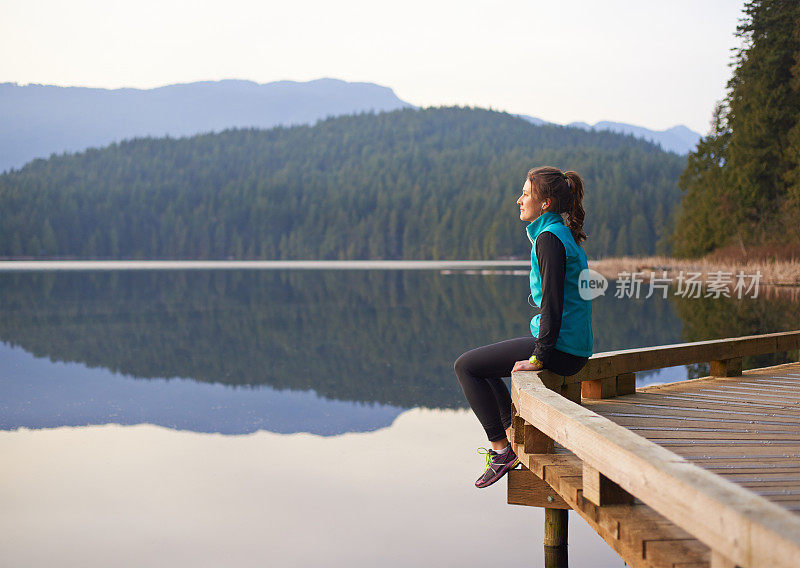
point(497, 465)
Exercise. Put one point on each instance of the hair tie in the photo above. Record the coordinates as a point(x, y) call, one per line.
point(564, 175)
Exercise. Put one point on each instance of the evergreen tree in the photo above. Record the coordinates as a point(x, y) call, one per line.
point(763, 108)
point(708, 214)
point(741, 183)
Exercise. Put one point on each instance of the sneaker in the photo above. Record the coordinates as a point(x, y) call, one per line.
point(497, 465)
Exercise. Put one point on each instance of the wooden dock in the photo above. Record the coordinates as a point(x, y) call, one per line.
point(699, 473)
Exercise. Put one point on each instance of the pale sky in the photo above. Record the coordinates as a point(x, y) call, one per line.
point(645, 62)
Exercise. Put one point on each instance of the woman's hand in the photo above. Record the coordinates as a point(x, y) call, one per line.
point(526, 366)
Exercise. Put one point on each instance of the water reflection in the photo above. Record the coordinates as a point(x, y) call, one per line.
point(708, 318)
point(276, 355)
point(277, 350)
point(149, 496)
point(40, 394)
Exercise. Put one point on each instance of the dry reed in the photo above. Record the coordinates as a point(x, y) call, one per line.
point(773, 273)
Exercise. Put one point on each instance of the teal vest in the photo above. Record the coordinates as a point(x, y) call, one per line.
point(575, 336)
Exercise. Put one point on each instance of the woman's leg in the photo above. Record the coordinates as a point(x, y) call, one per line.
point(481, 371)
point(503, 398)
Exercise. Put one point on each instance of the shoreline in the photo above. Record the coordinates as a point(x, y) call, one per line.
point(779, 274)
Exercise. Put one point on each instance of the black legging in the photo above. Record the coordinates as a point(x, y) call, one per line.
point(481, 371)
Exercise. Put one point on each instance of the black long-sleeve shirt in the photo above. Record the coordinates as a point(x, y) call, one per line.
point(552, 258)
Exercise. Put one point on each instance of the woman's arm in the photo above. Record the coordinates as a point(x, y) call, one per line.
point(552, 267)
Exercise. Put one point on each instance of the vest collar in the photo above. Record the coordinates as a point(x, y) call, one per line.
point(543, 221)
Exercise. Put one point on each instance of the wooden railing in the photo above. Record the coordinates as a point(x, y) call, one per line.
point(611, 373)
point(740, 527)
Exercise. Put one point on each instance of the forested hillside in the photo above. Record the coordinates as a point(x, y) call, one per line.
point(410, 184)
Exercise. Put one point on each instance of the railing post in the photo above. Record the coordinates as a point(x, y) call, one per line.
point(600, 388)
point(601, 491)
point(727, 367)
point(626, 384)
point(610, 387)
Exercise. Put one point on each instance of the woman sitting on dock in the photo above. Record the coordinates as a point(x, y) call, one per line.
point(561, 335)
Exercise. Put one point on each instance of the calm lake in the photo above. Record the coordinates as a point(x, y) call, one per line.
point(282, 417)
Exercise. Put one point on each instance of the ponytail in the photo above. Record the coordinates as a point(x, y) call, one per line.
point(575, 206)
point(565, 190)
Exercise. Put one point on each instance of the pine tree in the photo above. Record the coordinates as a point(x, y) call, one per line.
point(708, 214)
point(763, 109)
point(743, 181)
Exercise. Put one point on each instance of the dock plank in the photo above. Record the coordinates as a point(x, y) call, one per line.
point(710, 466)
point(750, 526)
point(745, 429)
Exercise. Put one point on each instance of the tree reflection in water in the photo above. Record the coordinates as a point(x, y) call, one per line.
point(370, 336)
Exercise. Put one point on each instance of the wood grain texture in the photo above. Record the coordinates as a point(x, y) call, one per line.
point(613, 363)
point(626, 384)
point(751, 530)
point(600, 388)
point(600, 490)
point(555, 527)
point(526, 488)
point(726, 367)
point(618, 524)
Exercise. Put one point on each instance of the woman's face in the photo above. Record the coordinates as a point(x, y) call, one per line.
point(530, 206)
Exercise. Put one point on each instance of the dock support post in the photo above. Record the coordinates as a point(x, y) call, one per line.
point(555, 527)
point(556, 557)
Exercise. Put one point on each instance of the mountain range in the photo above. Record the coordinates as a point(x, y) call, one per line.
point(39, 120)
point(678, 139)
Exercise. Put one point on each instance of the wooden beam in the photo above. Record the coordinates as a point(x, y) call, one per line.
point(752, 531)
point(526, 488)
point(517, 430)
point(613, 363)
point(613, 522)
point(601, 491)
point(535, 442)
